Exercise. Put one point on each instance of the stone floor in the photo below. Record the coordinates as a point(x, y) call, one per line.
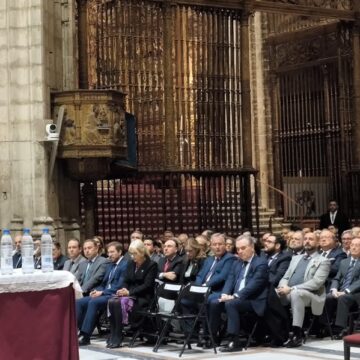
point(314, 349)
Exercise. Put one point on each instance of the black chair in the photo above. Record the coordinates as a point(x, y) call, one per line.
point(312, 320)
point(193, 294)
point(150, 325)
point(103, 323)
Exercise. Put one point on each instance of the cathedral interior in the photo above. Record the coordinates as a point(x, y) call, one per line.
point(191, 115)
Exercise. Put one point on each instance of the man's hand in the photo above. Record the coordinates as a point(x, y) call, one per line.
point(95, 293)
point(225, 297)
point(336, 294)
point(284, 290)
point(122, 292)
point(170, 275)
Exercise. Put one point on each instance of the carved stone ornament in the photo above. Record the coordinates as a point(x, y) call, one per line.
point(328, 4)
point(93, 127)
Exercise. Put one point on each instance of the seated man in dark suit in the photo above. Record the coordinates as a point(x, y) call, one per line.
point(274, 329)
point(334, 217)
point(17, 260)
point(345, 289)
point(170, 266)
point(331, 250)
point(213, 274)
point(58, 257)
point(217, 267)
point(245, 290)
point(278, 260)
point(88, 307)
point(92, 271)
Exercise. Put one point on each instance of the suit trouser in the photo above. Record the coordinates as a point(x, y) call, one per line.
point(233, 308)
point(346, 303)
point(299, 300)
point(87, 310)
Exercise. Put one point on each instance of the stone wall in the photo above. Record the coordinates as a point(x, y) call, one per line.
point(32, 34)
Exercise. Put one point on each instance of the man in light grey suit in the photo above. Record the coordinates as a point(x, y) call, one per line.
point(92, 271)
point(74, 252)
point(303, 285)
point(345, 289)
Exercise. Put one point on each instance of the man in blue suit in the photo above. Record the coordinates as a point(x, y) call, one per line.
point(213, 274)
point(88, 307)
point(216, 268)
point(245, 291)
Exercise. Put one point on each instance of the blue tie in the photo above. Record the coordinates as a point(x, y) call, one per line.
point(212, 270)
point(111, 276)
point(240, 276)
point(348, 276)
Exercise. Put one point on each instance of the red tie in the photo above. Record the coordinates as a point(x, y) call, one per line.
point(167, 265)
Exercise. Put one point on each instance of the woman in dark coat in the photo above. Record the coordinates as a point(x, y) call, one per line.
point(137, 292)
point(194, 261)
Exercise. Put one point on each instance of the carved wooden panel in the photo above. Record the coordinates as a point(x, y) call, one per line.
point(93, 126)
point(327, 4)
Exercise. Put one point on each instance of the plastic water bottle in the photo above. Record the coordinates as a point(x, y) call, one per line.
point(46, 251)
point(27, 252)
point(6, 253)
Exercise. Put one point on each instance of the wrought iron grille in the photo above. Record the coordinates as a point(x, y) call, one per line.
point(181, 202)
point(128, 50)
point(314, 124)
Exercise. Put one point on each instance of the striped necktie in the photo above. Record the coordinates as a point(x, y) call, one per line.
point(348, 276)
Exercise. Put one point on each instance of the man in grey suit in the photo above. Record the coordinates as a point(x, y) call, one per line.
point(303, 285)
point(92, 271)
point(345, 289)
point(75, 257)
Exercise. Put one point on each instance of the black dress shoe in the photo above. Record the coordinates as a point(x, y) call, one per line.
point(84, 340)
point(207, 344)
point(113, 346)
point(231, 347)
point(341, 334)
point(295, 341)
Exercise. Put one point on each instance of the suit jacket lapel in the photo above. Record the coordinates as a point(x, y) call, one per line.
point(314, 258)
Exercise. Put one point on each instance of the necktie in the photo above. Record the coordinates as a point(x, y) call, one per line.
point(348, 276)
point(87, 272)
point(240, 276)
point(71, 266)
point(212, 269)
point(324, 254)
point(332, 217)
point(167, 266)
point(111, 276)
point(270, 259)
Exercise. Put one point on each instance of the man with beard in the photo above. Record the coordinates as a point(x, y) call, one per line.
point(296, 243)
point(278, 260)
point(274, 330)
point(304, 285)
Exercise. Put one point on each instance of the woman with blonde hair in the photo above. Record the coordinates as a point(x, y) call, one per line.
point(194, 261)
point(136, 293)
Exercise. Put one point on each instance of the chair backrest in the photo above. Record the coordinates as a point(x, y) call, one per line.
point(167, 297)
point(198, 294)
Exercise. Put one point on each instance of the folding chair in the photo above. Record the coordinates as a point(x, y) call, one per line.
point(195, 294)
point(169, 292)
point(312, 321)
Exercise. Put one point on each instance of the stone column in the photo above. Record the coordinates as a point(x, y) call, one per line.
point(24, 100)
